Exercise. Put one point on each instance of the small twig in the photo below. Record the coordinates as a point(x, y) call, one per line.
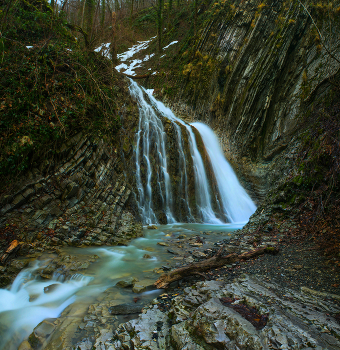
point(58, 116)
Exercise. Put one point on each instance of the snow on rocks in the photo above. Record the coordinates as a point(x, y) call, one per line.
point(134, 49)
point(127, 64)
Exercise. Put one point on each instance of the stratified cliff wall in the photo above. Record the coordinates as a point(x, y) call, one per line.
point(255, 72)
point(85, 198)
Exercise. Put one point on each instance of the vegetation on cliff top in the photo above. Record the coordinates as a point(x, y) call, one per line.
point(51, 88)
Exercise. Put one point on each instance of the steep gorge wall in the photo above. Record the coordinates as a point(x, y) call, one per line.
point(256, 72)
point(87, 198)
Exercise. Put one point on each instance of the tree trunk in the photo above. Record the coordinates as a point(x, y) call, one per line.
point(131, 8)
point(195, 17)
point(169, 13)
point(117, 5)
point(113, 38)
point(82, 15)
point(102, 14)
point(160, 24)
point(94, 19)
point(90, 9)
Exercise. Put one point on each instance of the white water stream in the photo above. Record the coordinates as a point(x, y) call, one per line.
point(237, 204)
point(32, 299)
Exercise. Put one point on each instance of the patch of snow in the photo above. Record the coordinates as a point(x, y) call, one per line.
point(133, 65)
point(104, 49)
point(162, 56)
point(29, 47)
point(154, 73)
point(174, 42)
point(129, 69)
point(130, 65)
point(147, 57)
point(102, 46)
point(69, 50)
point(134, 49)
point(121, 66)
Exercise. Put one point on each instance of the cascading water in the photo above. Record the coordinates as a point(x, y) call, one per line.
point(32, 298)
point(236, 206)
point(151, 134)
point(203, 199)
point(27, 303)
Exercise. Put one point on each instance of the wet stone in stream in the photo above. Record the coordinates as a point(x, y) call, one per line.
point(125, 309)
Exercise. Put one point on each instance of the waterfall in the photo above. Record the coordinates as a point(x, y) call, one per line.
point(203, 199)
point(237, 204)
point(160, 192)
point(151, 134)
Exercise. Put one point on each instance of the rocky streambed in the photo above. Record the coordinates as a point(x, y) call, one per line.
point(249, 313)
point(272, 302)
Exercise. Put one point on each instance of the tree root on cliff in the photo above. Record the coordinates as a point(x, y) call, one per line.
point(216, 261)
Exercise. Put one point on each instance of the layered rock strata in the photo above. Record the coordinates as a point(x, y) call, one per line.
point(256, 72)
point(87, 201)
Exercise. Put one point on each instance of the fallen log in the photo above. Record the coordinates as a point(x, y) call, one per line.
point(137, 76)
point(256, 252)
point(216, 261)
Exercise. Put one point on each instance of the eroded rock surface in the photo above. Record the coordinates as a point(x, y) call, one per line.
point(200, 319)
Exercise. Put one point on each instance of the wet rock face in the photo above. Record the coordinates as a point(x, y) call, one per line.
point(269, 69)
point(218, 316)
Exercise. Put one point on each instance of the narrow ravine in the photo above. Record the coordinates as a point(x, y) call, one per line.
point(32, 298)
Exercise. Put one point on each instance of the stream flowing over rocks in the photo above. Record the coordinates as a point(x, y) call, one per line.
point(82, 271)
point(67, 295)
